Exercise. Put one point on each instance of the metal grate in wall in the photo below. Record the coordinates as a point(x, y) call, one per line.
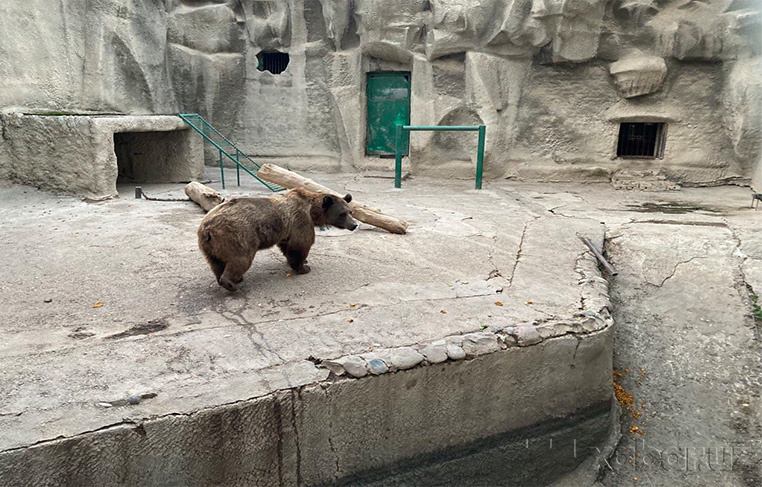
point(641, 139)
point(275, 62)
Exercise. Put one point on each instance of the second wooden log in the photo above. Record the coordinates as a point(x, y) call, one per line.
point(288, 179)
point(206, 197)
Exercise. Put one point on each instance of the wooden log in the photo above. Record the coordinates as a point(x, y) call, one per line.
point(288, 179)
point(206, 197)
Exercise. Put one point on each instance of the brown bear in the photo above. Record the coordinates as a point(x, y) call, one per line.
point(232, 233)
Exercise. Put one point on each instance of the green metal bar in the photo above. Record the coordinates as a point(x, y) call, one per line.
point(237, 167)
point(438, 128)
point(206, 124)
point(398, 157)
point(405, 129)
point(193, 119)
point(271, 186)
point(222, 171)
point(480, 156)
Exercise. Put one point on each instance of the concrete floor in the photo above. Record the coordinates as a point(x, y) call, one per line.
point(687, 345)
point(165, 327)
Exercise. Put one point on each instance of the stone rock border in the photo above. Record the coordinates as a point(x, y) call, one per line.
point(593, 317)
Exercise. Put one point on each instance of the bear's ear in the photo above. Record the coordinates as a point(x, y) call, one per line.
point(327, 201)
point(348, 198)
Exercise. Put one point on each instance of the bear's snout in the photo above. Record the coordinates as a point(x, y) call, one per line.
point(352, 227)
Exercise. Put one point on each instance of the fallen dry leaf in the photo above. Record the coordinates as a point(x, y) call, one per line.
point(530, 302)
point(443, 311)
point(98, 304)
point(352, 305)
point(350, 320)
point(498, 303)
point(288, 275)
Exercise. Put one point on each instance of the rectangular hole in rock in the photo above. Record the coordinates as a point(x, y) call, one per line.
point(641, 139)
point(147, 157)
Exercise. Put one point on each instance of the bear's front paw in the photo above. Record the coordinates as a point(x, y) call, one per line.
point(304, 269)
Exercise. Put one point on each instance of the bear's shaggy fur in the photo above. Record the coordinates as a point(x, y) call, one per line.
point(232, 233)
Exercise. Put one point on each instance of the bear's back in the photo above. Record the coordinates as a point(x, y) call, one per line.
point(260, 222)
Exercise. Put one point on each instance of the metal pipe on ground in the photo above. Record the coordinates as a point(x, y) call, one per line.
point(598, 255)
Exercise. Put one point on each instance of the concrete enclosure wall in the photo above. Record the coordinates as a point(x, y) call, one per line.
point(551, 79)
point(345, 431)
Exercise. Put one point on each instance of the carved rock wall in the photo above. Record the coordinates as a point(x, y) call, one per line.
point(551, 79)
point(104, 55)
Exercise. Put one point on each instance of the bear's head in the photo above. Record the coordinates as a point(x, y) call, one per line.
point(337, 212)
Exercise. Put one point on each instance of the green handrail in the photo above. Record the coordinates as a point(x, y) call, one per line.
point(227, 149)
point(403, 129)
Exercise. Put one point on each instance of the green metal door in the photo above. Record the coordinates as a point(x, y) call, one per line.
point(388, 105)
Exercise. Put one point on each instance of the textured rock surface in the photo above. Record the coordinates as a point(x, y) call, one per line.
point(535, 72)
point(405, 358)
point(638, 75)
point(84, 154)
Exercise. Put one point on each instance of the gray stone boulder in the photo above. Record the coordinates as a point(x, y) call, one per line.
point(638, 74)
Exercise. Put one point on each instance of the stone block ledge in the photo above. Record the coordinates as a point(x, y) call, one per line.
point(593, 317)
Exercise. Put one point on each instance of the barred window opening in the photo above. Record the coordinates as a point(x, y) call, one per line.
point(641, 139)
point(275, 62)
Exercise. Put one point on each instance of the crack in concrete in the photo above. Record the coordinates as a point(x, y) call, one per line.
point(744, 289)
point(674, 271)
point(562, 215)
point(574, 355)
point(320, 315)
point(298, 392)
point(551, 316)
point(123, 422)
point(330, 434)
point(495, 272)
point(684, 223)
point(11, 414)
point(251, 330)
point(520, 249)
point(530, 205)
point(278, 412)
point(436, 216)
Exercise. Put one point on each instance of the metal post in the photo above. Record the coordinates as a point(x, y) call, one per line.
point(237, 168)
point(222, 171)
point(398, 158)
point(480, 156)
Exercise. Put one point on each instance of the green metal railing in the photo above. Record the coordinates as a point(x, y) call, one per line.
point(403, 130)
point(227, 149)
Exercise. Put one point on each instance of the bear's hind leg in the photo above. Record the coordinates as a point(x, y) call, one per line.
point(296, 258)
point(234, 271)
